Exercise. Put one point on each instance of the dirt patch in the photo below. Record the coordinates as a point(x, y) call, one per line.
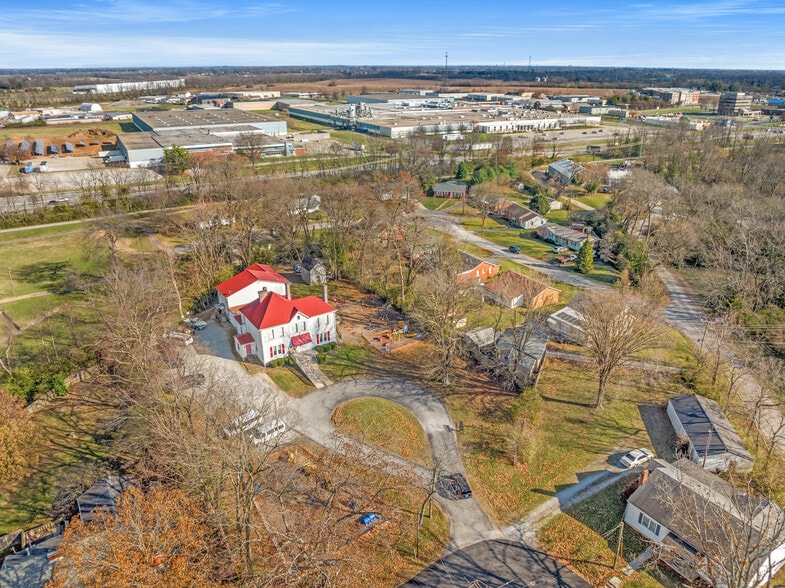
point(94, 140)
point(384, 329)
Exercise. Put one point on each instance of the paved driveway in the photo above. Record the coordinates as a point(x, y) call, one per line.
point(496, 564)
point(468, 522)
point(216, 339)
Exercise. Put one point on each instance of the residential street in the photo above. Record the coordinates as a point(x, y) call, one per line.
point(450, 224)
point(685, 313)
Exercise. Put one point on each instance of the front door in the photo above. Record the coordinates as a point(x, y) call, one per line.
point(248, 350)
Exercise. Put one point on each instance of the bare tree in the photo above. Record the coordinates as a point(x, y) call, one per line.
point(618, 328)
point(442, 305)
point(734, 534)
point(251, 145)
point(485, 198)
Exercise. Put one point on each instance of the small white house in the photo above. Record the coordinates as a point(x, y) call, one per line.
point(701, 525)
point(566, 325)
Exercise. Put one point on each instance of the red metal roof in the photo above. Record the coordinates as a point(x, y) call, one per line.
point(257, 272)
point(275, 310)
point(303, 339)
point(244, 338)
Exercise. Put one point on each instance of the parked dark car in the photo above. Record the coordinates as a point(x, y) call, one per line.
point(515, 249)
point(457, 487)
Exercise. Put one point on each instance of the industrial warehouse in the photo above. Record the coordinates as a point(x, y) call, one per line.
point(197, 131)
point(400, 115)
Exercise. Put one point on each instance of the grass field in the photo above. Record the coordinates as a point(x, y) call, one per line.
point(595, 200)
point(385, 425)
point(33, 264)
point(436, 203)
point(560, 217)
point(570, 440)
point(475, 223)
point(585, 538)
point(474, 250)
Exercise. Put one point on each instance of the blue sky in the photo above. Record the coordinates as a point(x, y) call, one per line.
point(667, 33)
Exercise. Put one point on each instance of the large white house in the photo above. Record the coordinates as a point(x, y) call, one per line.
point(269, 323)
point(246, 286)
point(272, 325)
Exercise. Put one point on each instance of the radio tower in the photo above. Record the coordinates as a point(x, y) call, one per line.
point(445, 67)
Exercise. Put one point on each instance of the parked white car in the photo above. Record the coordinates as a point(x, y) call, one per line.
point(635, 458)
point(267, 432)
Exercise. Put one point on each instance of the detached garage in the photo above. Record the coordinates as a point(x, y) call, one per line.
point(713, 442)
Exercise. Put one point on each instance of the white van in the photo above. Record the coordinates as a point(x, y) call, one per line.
point(183, 338)
point(244, 422)
point(267, 432)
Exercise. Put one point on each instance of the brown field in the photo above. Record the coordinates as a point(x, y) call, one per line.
point(354, 86)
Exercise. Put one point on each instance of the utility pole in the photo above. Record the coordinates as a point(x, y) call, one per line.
point(619, 544)
point(11, 277)
point(445, 67)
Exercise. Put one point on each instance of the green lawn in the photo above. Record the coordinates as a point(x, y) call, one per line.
point(347, 361)
point(595, 200)
point(475, 223)
point(560, 217)
point(289, 381)
point(472, 249)
point(386, 425)
point(570, 437)
point(436, 203)
point(584, 537)
point(40, 263)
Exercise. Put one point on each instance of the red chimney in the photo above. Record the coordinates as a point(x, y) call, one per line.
point(324, 292)
point(288, 291)
point(644, 477)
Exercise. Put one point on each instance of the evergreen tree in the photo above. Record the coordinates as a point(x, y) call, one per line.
point(540, 204)
point(177, 159)
point(585, 260)
point(463, 171)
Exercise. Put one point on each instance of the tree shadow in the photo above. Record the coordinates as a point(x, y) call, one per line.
point(572, 402)
point(660, 430)
point(52, 274)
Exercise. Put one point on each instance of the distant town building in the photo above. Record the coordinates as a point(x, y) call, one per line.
point(734, 103)
point(128, 86)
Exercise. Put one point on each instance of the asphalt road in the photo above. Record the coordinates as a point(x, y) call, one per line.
point(450, 224)
point(468, 522)
point(499, 564)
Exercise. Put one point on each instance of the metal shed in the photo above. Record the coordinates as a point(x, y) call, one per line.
point(713, 442)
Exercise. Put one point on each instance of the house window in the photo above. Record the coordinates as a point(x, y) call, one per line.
point(277, 350)
point(322, 338)
point(270, 335)
point(651, 525)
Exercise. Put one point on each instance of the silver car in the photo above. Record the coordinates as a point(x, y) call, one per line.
point(635, 458)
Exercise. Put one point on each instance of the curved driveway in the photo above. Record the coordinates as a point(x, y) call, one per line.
point(468, 522)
